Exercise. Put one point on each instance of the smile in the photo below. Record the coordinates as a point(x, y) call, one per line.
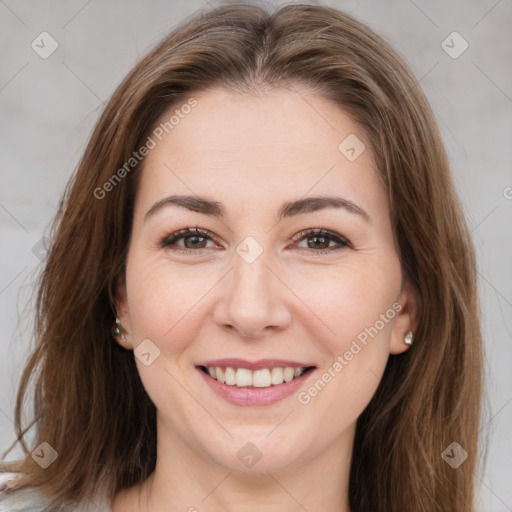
point(261, 378)
point(245, 383)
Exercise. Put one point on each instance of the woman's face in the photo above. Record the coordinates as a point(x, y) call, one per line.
point(259, 288)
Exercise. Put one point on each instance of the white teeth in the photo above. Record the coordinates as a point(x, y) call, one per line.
point(277, 376)
point(230, 376)
point(220, 374)
point(288, 374)
point(263, 378)
point(244, 377)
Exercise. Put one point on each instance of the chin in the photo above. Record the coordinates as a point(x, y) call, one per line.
point(255, 453)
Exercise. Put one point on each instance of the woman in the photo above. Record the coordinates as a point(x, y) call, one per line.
point(261, 289)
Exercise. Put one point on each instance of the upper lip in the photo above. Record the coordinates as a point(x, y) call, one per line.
point(234, 362)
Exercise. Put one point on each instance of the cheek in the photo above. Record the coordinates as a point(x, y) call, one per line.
point(165, 307)
point(349, 299)
point(358, 307)
point(166, 301)
point(356, 355)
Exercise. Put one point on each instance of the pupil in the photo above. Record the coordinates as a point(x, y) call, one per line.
point(193, 237)
point(316, 238)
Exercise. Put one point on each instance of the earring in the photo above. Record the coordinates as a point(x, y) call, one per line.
point(117, 331)
point(408, 338)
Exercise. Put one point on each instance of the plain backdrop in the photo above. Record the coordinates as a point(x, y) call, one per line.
point(49, 106)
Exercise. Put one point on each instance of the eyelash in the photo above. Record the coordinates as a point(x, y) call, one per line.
point(186, 232)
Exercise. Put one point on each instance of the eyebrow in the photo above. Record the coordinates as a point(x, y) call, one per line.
point(288, 209)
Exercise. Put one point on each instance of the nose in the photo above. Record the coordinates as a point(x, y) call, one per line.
point(254, 301)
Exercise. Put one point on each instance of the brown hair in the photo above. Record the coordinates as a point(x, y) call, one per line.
point(89, 403)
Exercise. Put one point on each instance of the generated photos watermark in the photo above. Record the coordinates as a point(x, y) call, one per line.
point(151, 142)
point(342, 360)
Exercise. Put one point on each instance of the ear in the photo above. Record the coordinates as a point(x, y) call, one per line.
point(407, 318)
point(123, 314)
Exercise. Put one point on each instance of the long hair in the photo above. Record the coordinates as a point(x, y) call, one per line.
point(89, 403)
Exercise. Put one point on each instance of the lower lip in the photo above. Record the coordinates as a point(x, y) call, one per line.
point(255, 396)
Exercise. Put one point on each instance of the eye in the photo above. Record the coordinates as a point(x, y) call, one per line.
point(320, 240)
point(197, 238)
point(194, 238)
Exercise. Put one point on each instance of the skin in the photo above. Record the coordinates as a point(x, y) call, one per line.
point(251, 153)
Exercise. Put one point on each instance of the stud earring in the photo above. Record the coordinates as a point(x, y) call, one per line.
point(408, 338)
point(117, 331)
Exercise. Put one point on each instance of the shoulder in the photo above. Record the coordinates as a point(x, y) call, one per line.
point(30, 499)
point(18, 500)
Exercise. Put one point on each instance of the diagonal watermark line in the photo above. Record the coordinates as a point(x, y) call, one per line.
point(94, 504)
point(494, 415)
point(485, 15)
point(293, 410)
point(82, 82)
point(476, 227)
point(198, 301)
point(300, 299)
point(20, 438)
point(75, 15)
point(494, 288)
point(15, 75)
point(428, 72)
point(424, 489)
point(492, 81)
point(8, 417)
point(424, 13)
point(371, 371)
point(13, 279)
point(209, 4)
point(84, 118)
point(419, 80)
point(505, 319)
point(14, 13)
point(287, 492)
point(432, 499)
point(199, 403)
point(482, 482)
point(217, 486)
point(13, 217)
point(292, 87)
point(9, 449)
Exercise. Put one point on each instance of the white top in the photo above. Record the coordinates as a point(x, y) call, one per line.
point(29, 499)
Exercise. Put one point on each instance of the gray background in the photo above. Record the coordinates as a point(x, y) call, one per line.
point(49, 106)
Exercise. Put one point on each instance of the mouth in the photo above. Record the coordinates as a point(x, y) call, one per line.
point(254, 383)
point(240, 377)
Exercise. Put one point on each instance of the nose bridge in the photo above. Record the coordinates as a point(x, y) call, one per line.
point(254, 298)
point(252, 279)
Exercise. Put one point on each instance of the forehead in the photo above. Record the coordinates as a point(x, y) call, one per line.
point(243, 122)
point(284, 142)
